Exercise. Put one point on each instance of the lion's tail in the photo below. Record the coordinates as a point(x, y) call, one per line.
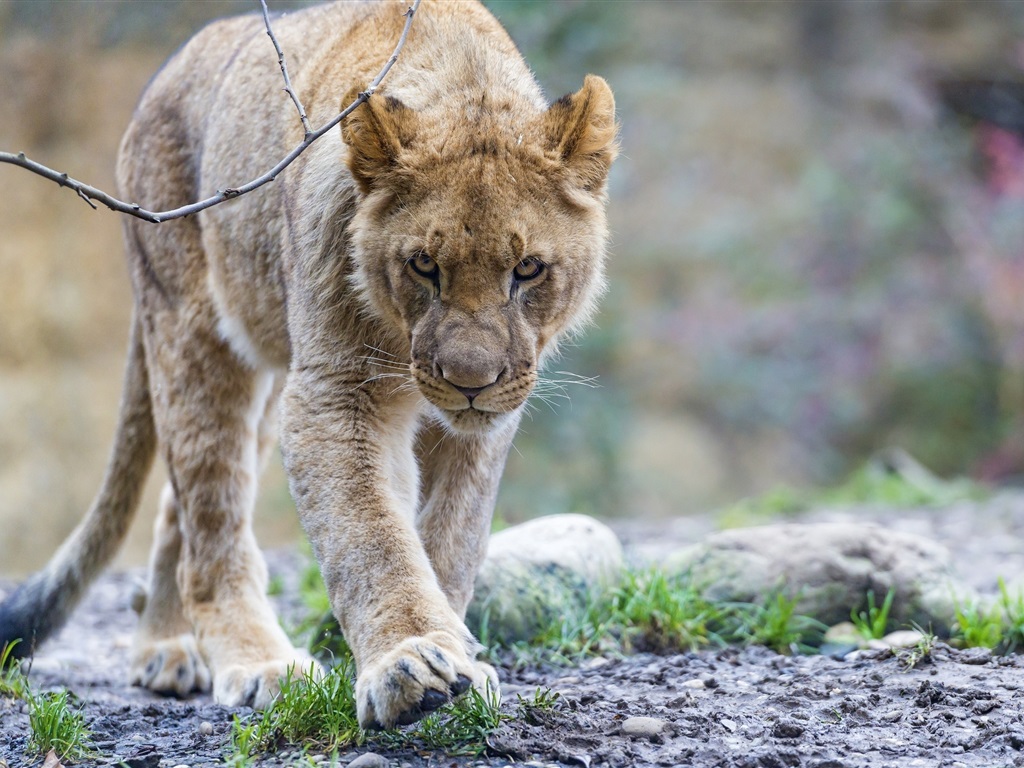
point(41, 605)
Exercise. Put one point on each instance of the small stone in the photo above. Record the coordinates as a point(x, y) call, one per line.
point(183, 765)
point(904, 638)
point(975, 656)
point(787, 729)
point(370, 760)
point(205, 728)
point(843, 633)
point(728, 724)
point(695, 683)
point(647, 727)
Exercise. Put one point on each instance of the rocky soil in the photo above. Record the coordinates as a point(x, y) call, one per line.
point(730, 707)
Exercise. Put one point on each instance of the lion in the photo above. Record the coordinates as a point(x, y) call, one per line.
point(389, 300)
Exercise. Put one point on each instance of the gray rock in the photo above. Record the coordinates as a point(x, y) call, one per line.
point(536, 571)
point(830, 567)
point(370, 760)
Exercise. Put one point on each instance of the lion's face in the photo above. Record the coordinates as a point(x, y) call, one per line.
point(485, 252)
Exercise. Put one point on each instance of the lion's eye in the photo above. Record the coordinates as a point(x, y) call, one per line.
point(528, 269)
point(423, 265)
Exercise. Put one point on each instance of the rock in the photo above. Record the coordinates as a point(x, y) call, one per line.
point(206, 728)
point(645, 727)
point(903, 638)
point(830, 567)
point(843, 633)
point(537, 571)
point(787, 729)
point(370, 760)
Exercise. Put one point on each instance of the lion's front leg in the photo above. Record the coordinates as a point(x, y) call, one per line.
point(460, 484)
point(343, 445)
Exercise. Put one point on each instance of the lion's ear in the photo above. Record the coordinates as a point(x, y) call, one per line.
point(581, 128)
point(375, 133)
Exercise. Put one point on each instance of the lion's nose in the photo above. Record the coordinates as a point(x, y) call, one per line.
point(469, 381)
point(469, 392)
point(469, 368)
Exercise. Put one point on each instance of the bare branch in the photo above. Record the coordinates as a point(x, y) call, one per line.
point(284, 70)
point(91, 193)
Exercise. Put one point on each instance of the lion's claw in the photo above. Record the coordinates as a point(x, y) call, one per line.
point(417, 677)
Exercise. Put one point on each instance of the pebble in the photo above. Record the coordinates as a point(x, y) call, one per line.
point(787, 729)
point(370, 760)
point(903, 638)
point(206, 728)
point(695, 683)
point(975, 656)
point(643, 726)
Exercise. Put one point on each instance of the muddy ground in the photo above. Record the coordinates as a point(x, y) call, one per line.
point(731, 707)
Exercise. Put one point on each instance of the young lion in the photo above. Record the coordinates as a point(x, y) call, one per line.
point(392, 295)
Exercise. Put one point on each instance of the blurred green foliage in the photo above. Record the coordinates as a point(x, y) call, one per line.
point(806, 265)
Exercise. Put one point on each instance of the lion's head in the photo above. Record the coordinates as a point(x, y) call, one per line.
point(482, 239)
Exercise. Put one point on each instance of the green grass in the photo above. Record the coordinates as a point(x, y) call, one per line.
point(919, 652)
point(321, 715)
point(313, 713)
point(651, 610)
point(775, 624)
point(54, 723)
point(876, 482)
point(873, 623)
point(460, 728)
point(999, 625)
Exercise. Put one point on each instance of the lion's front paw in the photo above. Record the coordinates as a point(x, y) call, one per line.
point(415, 678)
point(256, 685)
point(170, 666)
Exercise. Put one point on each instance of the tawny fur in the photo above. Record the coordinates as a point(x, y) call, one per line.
point(376, 283)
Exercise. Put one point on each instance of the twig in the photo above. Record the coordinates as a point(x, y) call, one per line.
point(284, 70)
point(91, 193)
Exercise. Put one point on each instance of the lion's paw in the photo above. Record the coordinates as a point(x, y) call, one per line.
point(170, 666)
point(418, 676)
point(256, 685)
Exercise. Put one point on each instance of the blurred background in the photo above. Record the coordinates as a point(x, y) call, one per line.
point(818, 219)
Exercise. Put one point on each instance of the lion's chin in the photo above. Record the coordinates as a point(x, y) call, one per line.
point(470, 421)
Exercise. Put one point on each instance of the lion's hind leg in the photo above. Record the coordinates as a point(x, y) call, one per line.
point(165, 657)
point(208, 405)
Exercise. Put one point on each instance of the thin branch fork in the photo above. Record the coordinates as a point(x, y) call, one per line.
point(284, 70)
point(90, 193)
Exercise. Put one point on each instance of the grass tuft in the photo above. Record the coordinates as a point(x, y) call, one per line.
point(891, 479)
point(873, 623)
point(54, 723)
point(314, 713)
point(653, 611)
point(321, 715)
point(919, 652)
point(461, 728)
point(999, 626)
point(774, 623)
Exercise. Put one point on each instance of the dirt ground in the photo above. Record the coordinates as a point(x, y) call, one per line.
point(731, 707)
